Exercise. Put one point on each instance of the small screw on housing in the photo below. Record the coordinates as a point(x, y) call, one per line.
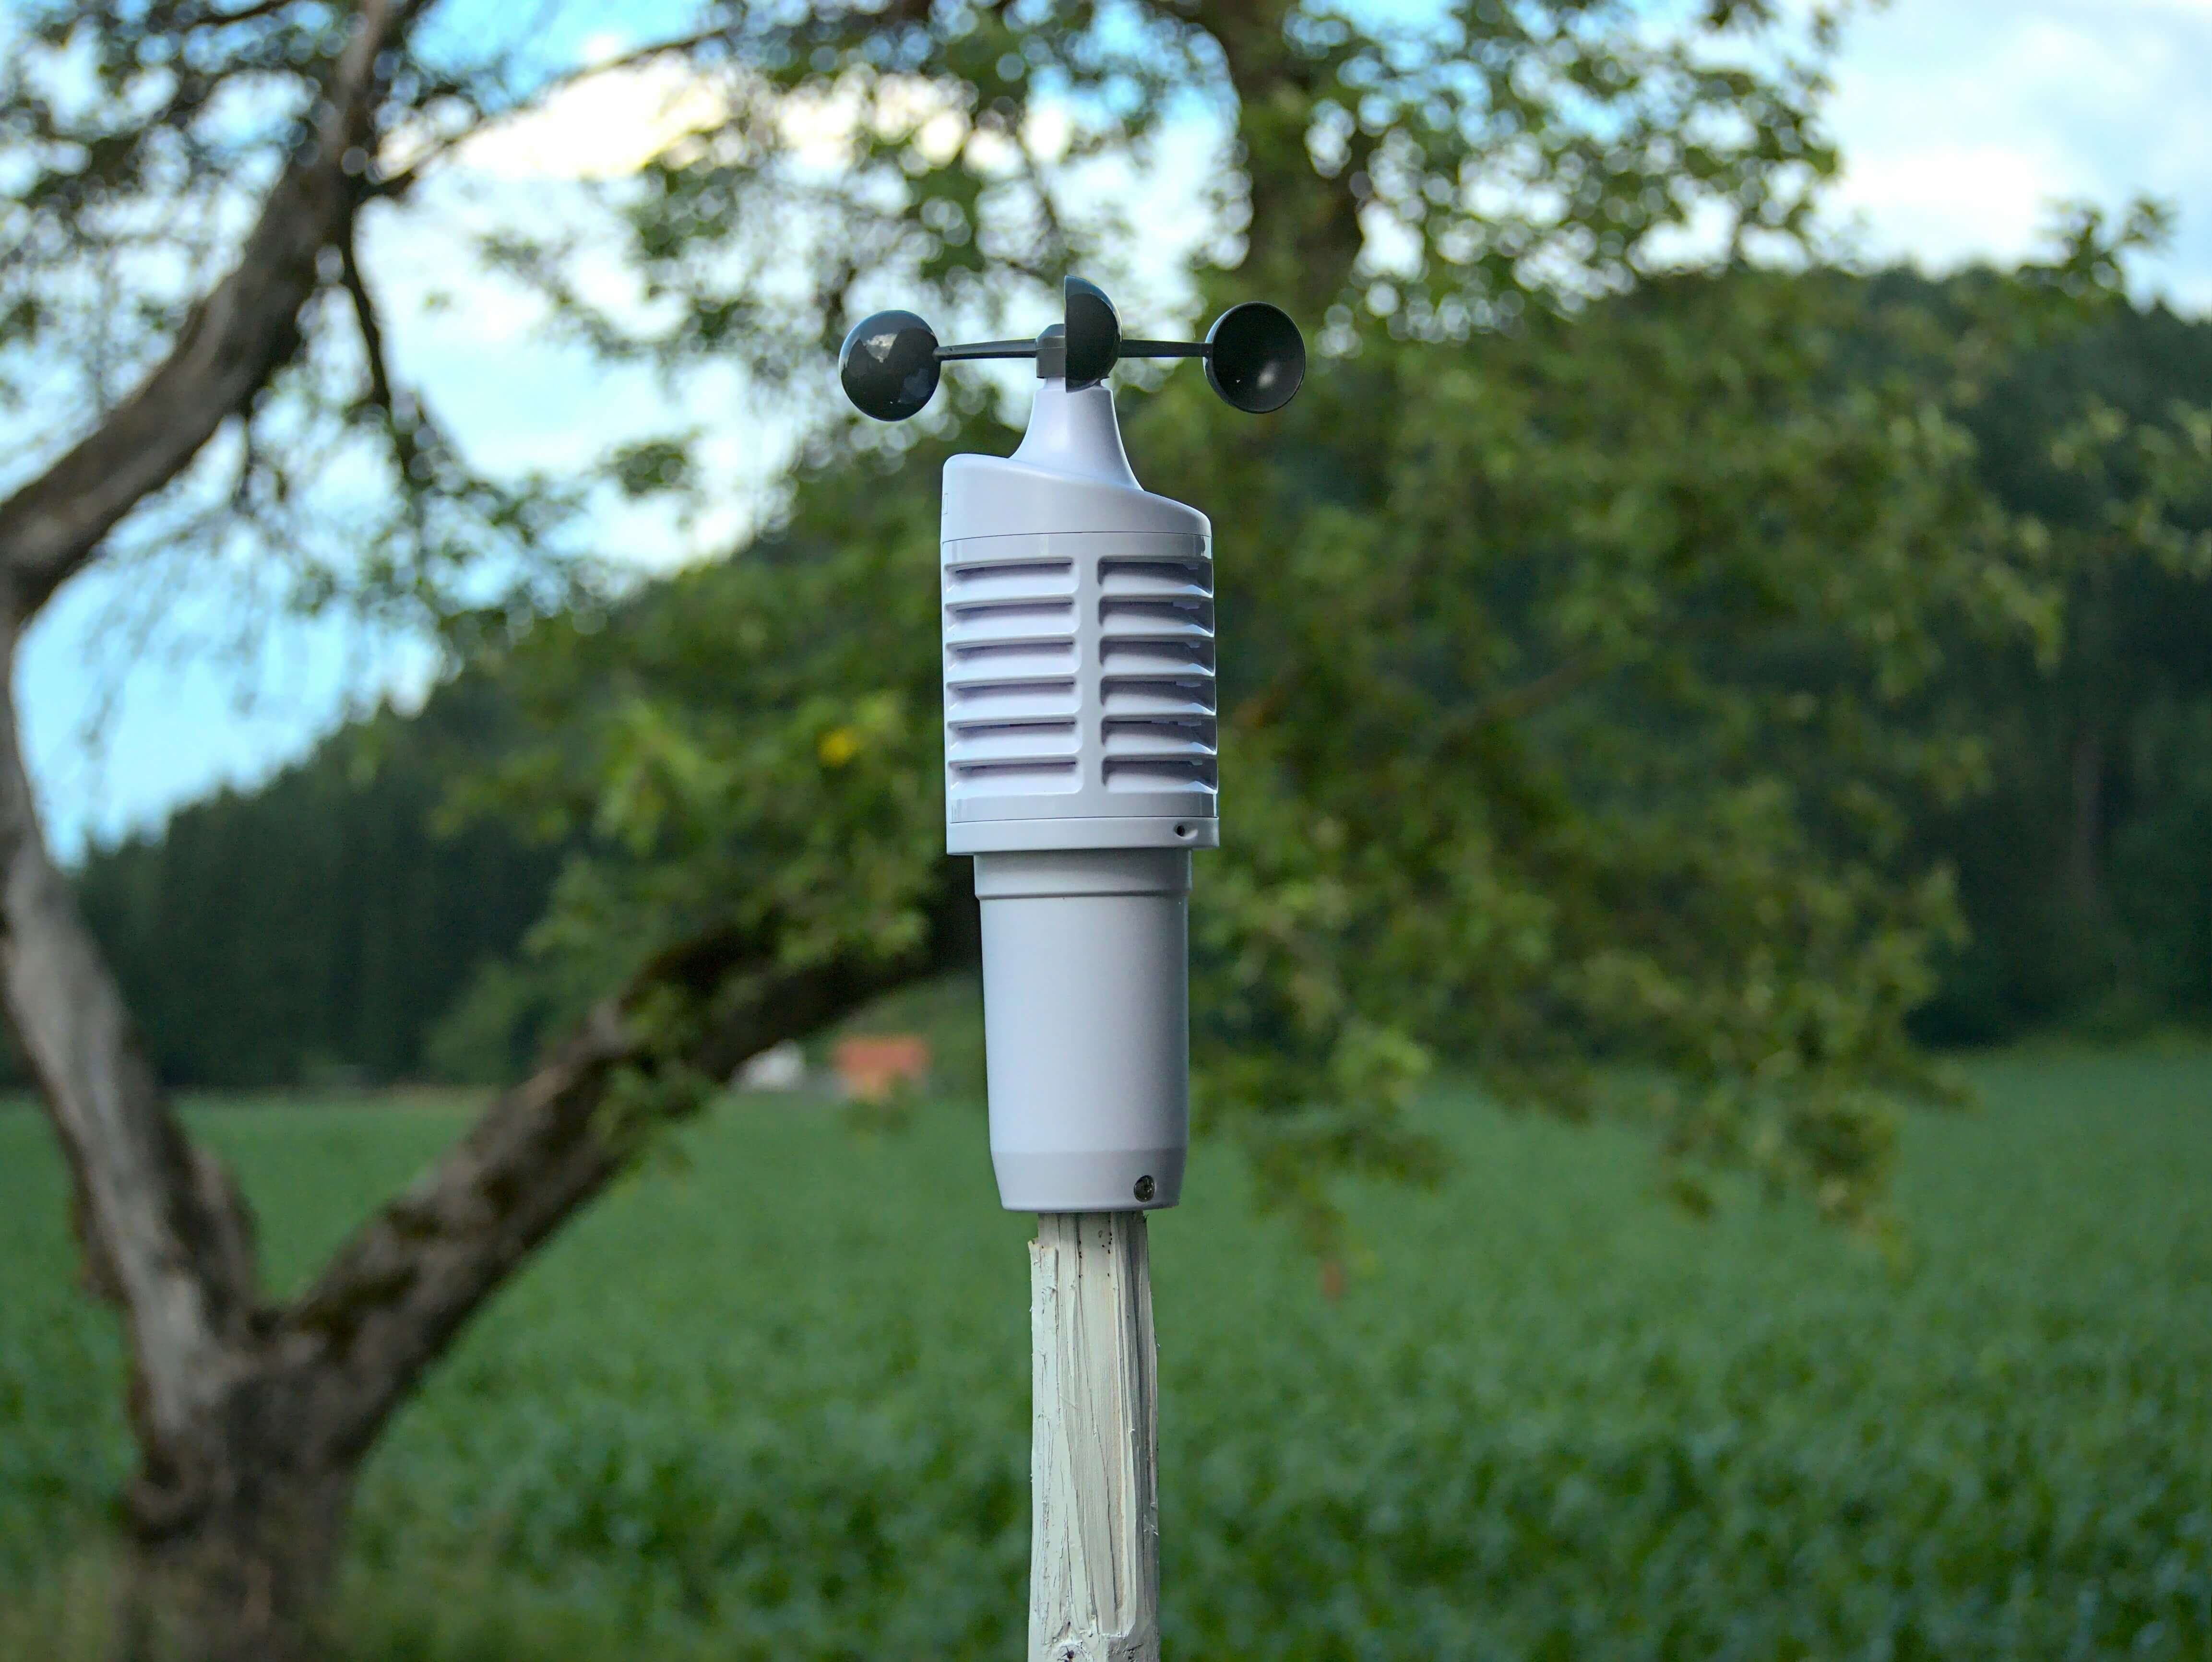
point(1144, 1191)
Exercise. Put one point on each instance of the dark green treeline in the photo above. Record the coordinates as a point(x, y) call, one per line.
point(313, 929)
point(2086, 871)
point(317, 929)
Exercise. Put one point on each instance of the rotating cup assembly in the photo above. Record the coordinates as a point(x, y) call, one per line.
point(1255, 357)
point(1080, 739)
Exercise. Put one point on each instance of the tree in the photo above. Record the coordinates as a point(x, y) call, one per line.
point(251, 957)
point(2081, 868)
point(252, 1417)
point(1569, 683)
point(315, 928)
point(1487, 174)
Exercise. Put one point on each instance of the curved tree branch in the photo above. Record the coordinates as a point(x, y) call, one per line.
point(234, 340)
point(401, 428)
point(394, 1296)
point(166, 1233)
point(372, 332)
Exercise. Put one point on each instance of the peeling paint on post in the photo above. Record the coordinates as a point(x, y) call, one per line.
point(1094, 1524)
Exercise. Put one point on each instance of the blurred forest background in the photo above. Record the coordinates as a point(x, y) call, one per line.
point(343, 923)
point(1667, 665)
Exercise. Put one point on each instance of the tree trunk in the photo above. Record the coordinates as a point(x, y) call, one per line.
point(238, 1565)
point(2085, 840)
point(1304, 238)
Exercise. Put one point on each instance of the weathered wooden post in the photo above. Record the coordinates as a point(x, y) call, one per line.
point(1079, 760)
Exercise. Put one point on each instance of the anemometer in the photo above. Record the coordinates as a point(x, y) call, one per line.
point(1255, 356)
point(1080, 771)
point(1079, 740)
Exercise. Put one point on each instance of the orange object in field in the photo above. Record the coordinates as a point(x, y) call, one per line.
point(872, 1067)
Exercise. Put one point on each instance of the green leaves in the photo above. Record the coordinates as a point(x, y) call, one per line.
point(754, 745)
point(1571, 728)
point(1572, 731)
point(1579, 627)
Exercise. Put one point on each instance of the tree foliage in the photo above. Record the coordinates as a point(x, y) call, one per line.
point(1584, 622)
point(2084, 867)
point(1587, 625)
point(162, 902)
point(141, 139)
point(1446, 853)
point(1573, 698)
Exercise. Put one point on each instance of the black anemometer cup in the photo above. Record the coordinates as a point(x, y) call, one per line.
point(1094, 335)
point(1255, 358)
point(889, 365)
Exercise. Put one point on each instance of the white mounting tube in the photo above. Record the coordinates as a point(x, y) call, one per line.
point(1086, 1026)
point(1080, 738)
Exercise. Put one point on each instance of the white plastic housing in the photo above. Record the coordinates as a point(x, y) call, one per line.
point(1078, 646)
point(1081, 734)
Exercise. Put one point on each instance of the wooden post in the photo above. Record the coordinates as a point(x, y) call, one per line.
point(1094, 1532)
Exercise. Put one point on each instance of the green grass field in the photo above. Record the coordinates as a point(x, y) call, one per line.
point(770, 1401)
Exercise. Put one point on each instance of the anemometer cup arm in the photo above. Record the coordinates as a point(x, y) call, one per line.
point(1255, 357)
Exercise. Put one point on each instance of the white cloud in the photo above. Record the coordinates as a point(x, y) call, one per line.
point(604, 126)
point(1962, 122)
point(608, 124)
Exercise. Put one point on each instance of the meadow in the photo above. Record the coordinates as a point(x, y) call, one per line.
point(770, 1400)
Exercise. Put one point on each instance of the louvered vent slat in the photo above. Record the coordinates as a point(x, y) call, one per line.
point(1079, 673)
point(1158, 732)
point(1010, 677)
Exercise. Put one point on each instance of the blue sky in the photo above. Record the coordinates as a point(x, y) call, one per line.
point(1961, 122)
